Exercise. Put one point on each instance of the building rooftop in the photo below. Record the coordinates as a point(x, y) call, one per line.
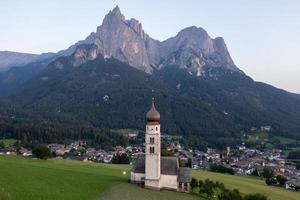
point(169, 166)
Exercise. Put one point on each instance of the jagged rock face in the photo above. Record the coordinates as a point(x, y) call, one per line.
point(193, 48)
point(125, 40)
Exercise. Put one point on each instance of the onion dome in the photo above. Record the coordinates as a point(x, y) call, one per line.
point(153, 115)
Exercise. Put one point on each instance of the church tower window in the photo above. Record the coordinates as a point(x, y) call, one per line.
point(152, 140)
point(151, 149)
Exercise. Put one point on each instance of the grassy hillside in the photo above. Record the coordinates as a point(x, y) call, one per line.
point(56, 179)
point(22, 178)
point(248, 185)
point(25, 178)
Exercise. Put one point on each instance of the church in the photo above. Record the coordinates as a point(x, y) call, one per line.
point(154, 171)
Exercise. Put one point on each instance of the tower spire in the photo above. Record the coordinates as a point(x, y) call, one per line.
point(153, 101)
point(153, 115)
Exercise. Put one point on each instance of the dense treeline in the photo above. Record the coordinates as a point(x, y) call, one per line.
point(220, 169)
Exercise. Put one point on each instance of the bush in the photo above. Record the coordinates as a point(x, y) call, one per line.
point(194, 183)
point(230, 195)
point(120, 159)
point(166, 153)
point(271, 181)
point(42, 152)
point(268, 173)
point(281, 179)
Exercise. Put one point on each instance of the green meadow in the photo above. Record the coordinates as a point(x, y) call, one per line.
point(27, 179)
point(247, 184)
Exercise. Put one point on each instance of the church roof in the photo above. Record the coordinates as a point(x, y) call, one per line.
point(139, 166)
point(184, 175)
point(168, 166)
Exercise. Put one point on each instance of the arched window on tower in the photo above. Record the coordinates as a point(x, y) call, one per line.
point(152, 140)
point(151, 149)
point(156, 128)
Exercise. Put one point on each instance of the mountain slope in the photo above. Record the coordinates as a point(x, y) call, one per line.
point(9, 59)
point(218, 106)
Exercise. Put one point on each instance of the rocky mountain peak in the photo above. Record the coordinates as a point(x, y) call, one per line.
point(116, 13)
point(192, 48)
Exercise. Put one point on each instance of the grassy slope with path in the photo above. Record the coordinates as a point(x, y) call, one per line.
point(248, 185)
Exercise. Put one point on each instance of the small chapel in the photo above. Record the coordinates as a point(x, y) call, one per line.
point(154, 171)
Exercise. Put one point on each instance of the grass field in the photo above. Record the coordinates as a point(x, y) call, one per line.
point(133, 192)
point(248, 185)
point(25, 178)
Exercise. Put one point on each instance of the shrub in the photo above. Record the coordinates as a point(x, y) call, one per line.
point(230, 195)
point(41, 151)
point(268, 173)
point(120, 159)
point(281, 179)
point(194, 183)
point(271, 181)
point(220, 169)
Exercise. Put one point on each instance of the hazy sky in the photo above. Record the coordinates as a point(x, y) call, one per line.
point(263, 36)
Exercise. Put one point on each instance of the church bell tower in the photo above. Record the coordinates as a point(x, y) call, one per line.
point(152, 148)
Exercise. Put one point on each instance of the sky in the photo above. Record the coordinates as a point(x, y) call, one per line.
point(263, 36)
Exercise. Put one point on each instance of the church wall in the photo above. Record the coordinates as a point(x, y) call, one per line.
point(154, 184)
point(169, 181)
point(137, 177)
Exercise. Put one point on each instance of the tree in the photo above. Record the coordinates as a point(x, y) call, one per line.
point(42, 151)
point(220, 168)
point(271, 181)
point(294, 155)
point(2, 145)
point(298, 166)
point(255, 172)
point(207, 188)
point(200, 183)
point(255, 197)
point(230, 195)
point(268, 173)
point(166, 153)
point(194, 183)
point(120, 159)
point(281, 179)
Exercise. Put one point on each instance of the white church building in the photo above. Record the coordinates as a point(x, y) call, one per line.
point(154, 171)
